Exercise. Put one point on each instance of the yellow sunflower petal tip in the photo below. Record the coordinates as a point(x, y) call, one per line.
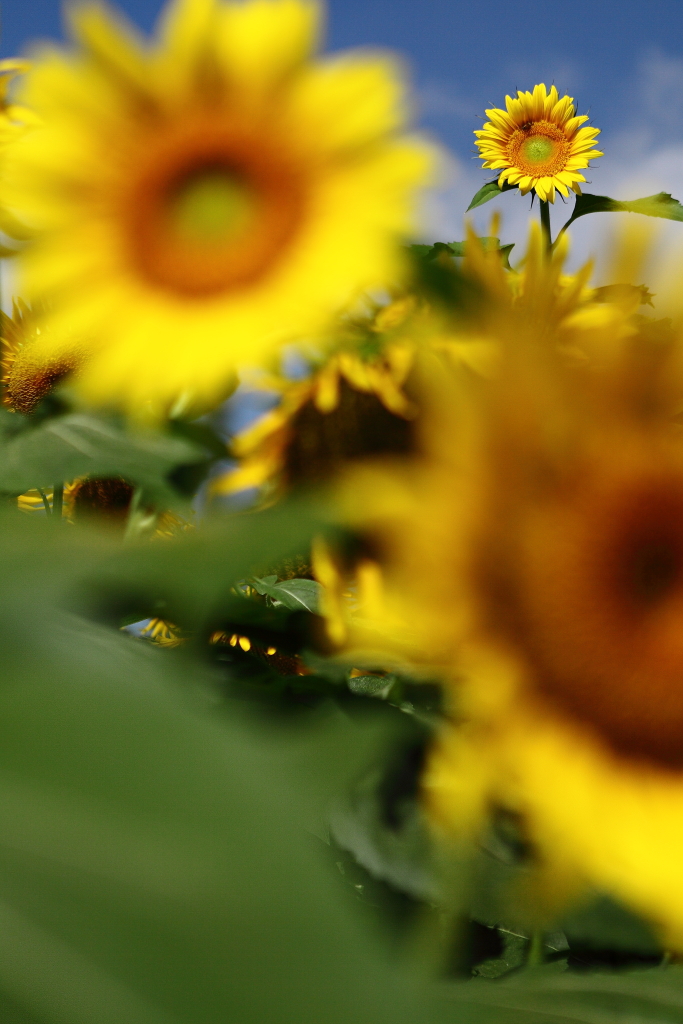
point(538, 143)
point(223, 187)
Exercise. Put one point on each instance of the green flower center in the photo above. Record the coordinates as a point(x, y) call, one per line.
point(537, 149)
point(212, 206)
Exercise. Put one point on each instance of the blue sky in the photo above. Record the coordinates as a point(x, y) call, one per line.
point(622, 61)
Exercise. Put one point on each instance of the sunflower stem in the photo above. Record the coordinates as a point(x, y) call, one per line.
point(57, 500)
point(545, 224)
point(536, 953)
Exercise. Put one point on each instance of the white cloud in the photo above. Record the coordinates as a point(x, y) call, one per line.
point(435, 99)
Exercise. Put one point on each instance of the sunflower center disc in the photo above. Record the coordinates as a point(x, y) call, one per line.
point(598, 607)
point(537, 149)
point(540, 149)
point(212, 206)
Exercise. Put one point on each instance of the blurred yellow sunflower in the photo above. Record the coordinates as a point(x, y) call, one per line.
point(104, 500)
point(353, 405)
point(546, 583)
point(14, 121)
point(204, 199)
point(538, 143)
point(570, 653)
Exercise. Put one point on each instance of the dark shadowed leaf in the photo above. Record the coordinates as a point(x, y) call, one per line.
point(66, 447)
point(547, 995)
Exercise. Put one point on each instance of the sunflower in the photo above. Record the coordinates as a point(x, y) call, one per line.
point(535, 547)
point(352, 405)
point(27, 374)
point(538, 143)
point(103, 500)
point(162, 633)
point(223, 188)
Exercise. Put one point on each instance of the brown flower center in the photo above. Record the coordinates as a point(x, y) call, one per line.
point(211, 208)
point(107, 498)
point(539, 149)
point(28, 380)
point(358, 427)
point(597, 598)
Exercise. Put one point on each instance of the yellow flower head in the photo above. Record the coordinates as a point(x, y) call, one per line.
point(353, 405)
point(536, 549)
point(210, 195)
point(107, 502)
point(538, 143)
point(28, 375)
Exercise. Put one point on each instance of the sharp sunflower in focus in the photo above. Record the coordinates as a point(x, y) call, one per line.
point(547, 582)
point(207, 197)
point(538, 143)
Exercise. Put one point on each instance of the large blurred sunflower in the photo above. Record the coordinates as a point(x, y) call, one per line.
point(208, 197)
point(546, 582)
point(538, 143)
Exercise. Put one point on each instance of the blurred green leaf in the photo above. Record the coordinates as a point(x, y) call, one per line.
point(65, 447)
point(192, 579)
point(547, 995)
point(392, 844)
point(603, 924)
point(153, 868)
point(459, 249)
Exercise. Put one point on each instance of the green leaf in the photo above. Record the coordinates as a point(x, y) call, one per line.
point(153, 864)
point(192, 581)
point(491, 190)
point(65, 447)
point(459, 249)
point(400, 855)
point(505, 251)
point(660, 205)
point(296, 594)
point(261, 585)
point(547, 995)
point(421, 251)
point(371, 686)
point(603, 924)
point(488, 243)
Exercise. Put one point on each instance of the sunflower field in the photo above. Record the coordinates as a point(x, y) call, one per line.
point(341, 573)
